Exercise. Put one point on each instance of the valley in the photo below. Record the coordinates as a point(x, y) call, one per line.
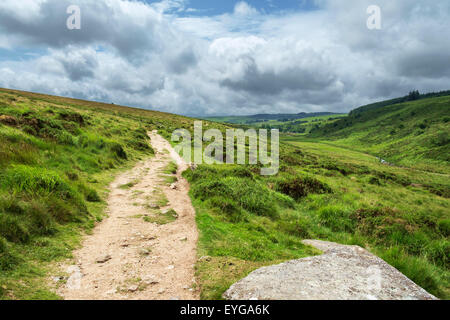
point(59, 157)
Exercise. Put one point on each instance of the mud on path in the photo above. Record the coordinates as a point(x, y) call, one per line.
point(127, 257)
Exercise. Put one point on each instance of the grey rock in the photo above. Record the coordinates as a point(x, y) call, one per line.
point(341, 273)
point(110, 292)
point(144, 252)
point(74, 280)
point(58, 279)
point(103, 259)
point(150, 280)
point(133, 288)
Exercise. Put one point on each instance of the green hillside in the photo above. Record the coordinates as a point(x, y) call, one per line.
point(412, 133)
point(57, 157)
point(288, 123)
point(258, 118)
point(337, 190)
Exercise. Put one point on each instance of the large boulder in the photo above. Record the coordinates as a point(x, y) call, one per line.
point(341, 273)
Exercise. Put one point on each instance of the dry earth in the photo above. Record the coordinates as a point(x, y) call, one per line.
point(129, 258)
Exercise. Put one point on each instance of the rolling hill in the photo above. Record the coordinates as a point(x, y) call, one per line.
point(58, 156)
point(413, 133)
point(288, 123)
point(257, 118)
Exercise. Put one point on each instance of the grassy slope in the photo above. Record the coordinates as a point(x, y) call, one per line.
point(245, 220)
point(255, 119)
point(335, 192)
point(414, 134)
point(302, 126)
point(295, 126)
point(57, 156)
point(348, 197)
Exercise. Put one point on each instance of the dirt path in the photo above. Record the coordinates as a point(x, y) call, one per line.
point(127, 257)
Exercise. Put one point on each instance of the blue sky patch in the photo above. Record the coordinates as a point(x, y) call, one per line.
point(212, 8)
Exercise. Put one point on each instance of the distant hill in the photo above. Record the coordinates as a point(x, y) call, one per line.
point(266, 117)
point(288, 116)
point(413, 130)
point(413, 96)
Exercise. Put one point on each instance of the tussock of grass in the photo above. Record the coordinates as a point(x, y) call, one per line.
point(128, 185)
point(298, 187)
point(168, 180)
point(161, 218)
point(171, 168)
point(158, 200)
point(217, 274)
point(239, 194)
point(169, 172)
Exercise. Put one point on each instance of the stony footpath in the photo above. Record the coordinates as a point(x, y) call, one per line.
point(129, 256)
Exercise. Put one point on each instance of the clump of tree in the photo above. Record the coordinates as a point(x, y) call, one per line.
point(413, 95)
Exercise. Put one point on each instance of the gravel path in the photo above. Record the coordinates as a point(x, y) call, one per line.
point(129, 258)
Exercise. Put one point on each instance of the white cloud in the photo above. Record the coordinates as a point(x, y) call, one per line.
point(244, 9)
point(242, 62)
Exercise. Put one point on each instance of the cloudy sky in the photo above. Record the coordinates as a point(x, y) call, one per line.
point(205, 57)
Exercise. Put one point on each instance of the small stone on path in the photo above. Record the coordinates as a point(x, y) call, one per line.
point(103, 259)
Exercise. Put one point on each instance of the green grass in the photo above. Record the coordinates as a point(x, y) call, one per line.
point(331, 186)
point(128, 185)
point(300, 124)
point(322, 192)
point(171, 168)
point(411, 134)
point(161, 218)
point(57, 158)
point(58, 155)
point(169, 172)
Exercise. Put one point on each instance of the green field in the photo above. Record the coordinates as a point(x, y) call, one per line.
point(289, 123)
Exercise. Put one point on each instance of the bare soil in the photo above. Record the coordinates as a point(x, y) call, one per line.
point(127, 257)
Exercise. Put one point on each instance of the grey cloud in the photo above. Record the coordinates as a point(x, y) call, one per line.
point(307, 61)
point(272, 83)
point(120, 84)
point(428, 64)
point(100, 24)
point(183, 61)
point(79, 65)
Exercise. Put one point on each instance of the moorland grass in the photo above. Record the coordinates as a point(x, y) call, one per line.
point(57, 157)
point(326, 193)
point(411, 134)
